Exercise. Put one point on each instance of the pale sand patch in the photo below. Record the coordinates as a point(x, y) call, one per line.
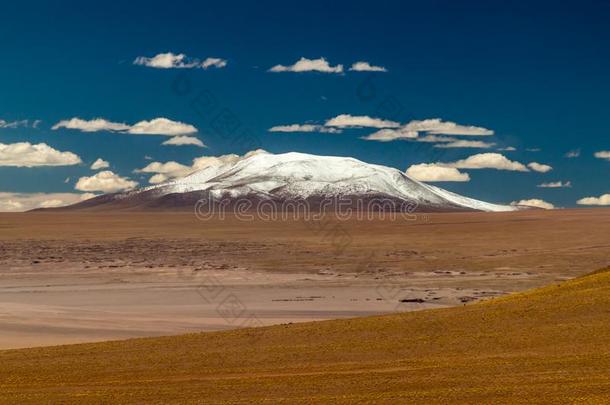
point(72, 306)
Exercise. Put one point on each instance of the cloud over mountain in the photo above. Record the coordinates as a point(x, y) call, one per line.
point(184, 140)
point(535, 202)
point(488, 161)
point(601, 200)
point(165, 171)
point(430, 172)
point(495, 161)
point(105, 181)
point(17, 202)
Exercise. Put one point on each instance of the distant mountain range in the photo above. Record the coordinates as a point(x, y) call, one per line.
point(318, 181)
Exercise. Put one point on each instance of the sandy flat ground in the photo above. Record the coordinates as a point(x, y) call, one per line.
point(68, 277)
point(547, 345)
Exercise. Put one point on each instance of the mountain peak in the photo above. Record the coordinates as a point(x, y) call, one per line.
point(264, 176)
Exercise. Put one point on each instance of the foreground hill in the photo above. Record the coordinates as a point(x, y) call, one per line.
point(546, 345)
point(320, 182)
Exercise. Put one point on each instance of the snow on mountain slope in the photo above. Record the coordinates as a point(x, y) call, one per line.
point(303, 176)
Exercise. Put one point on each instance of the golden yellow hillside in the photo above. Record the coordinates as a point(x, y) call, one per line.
point(550, 345)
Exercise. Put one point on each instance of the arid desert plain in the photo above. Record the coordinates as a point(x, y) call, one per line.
point(76, 277)
point(91, 277)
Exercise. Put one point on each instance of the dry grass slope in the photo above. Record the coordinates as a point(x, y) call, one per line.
point(542, 346)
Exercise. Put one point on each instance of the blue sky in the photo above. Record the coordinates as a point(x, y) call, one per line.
point(535, 74)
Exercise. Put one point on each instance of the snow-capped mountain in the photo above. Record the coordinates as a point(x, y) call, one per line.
point(262, 176)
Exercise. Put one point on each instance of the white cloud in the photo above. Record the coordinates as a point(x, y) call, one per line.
point(434, 126)
point(25, 154)
point(466, 144)
point(440, 127)
point(215, 161)
point(435, 139)
point(573, 154)
point(87, 196)
point(10, 205)
point(100, 164)
point(508, 149)
point(495, 161)
point(161, 126)
point(51, 203)
point(536, 203)
point(165, 171)
point(488, 161)
point(556, 184)
point(294, 128)
point(19, 124)
point(170, 60)
point(157, 126)
point(391, 130)
point(184, 140)
point(166, 168)
point(604, 154)
point(387, 135)
point(172, 170)
point(432, 172)
point(94, 125)
point(601, 200)
point(366, 67)
point(211, 161)
point(308, 65)
point(540, 168)
point(105, 181)
point(304, 128)
point(15, 202)
point(159, 178)
point(213, 62)
point(359, 121)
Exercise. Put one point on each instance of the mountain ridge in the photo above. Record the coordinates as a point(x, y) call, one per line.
point(276, 178)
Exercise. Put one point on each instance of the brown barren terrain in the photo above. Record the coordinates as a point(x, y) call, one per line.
point(559, 242)
point(82, 277)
